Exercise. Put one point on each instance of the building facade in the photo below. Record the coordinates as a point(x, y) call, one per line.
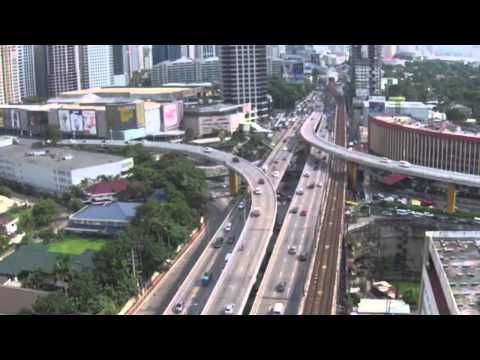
point(120, 65)
point(205, 51)
point(366, 63)
point(10, 74)
point(185, 70)
point(402, 138)
point(41, 70)
point(162, 53)
point(26, 67)
point(244, 77)
point(450, 280)
point(63, 69)
point(96, 65)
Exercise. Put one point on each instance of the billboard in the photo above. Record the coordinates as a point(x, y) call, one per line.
point(376, 107)
point(76, 120)
point(15, 118)
point(140, 115)
point(64, 120)
point(121, 117)
point(89, 122)
point(127, 114)
point(170, 116)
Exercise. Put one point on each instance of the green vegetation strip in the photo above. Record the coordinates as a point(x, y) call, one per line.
point(73, 245)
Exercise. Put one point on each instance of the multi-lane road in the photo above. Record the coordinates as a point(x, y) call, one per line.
point(298, 230)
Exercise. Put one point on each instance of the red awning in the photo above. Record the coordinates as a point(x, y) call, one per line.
point(393, 179)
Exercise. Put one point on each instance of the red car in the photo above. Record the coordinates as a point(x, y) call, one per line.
point(303, 213)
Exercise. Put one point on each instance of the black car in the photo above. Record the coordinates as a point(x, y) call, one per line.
point(294, 210)
point(218, 243)
point(302, 256)
point(179, 308)
point(281, 286)
point(311, 186)
point(236, 160)
point(261, 181)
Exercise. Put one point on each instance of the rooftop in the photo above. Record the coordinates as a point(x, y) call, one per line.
point(114, 211)
point(16, 299)
point(108, 187)
point(53, 156)
point(459, 253)
point(126, 90)
point(383, 306)
point(213, 108)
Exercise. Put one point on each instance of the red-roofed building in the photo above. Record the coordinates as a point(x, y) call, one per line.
point(106, 190)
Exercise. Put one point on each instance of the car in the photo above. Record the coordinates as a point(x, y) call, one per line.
point(311, 186)
point(207, 150)
point(294, 210)
point(206, 277)
point(231, 240)
point(284, 140)
point(261, 181)
point(256, 212)
point(285, 148)
point(292, 250)
point(299, 191)
point(241, 205)
point(284, 159)
point(229, 309)
point(218, 243)
point(235, 160)
point(302, 256)
point(228, 227)
point(303, 213)
point(319, 185)
point(276, 174)
point(276, 162)
point(405, 164)
point(179, 307)
point(385, 160)
point(307, 174)
point(281, 286)
point(258, 191)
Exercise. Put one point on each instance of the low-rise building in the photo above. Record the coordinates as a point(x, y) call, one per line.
point(107, 219)
point(54, 170)
point(451, 273)
point(105, 190)
point(382, 307)
point(203, 120)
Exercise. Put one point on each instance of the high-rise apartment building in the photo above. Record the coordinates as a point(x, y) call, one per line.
point(41, 70)
point(10, 74)
point(244, 77)
point(63, 69)
point(366, 63)
point(96, 65)
point(185, 70)
point(120, 65)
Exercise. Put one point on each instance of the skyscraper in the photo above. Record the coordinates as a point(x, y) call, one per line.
point(205, 51)
point(165, 52)
point(10, 77)
point(63, 69)
point(120, 65)
point(188, 51)
point(26, 69)
point(244, 77)
point(366, 62)
point(40, 62)
point(96, 65)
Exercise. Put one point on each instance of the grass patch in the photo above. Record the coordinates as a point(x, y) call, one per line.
point(76, 245)
point(409, 290)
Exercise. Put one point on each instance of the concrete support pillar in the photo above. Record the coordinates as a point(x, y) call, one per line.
point(352, 169)
point(452, 199)
point(234, 183)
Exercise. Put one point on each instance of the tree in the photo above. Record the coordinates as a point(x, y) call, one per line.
point(54, 304)
point(6, 191)
point(52, 133)
point(456, 115)
point(43, 212)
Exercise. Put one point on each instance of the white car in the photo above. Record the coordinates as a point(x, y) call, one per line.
point(229, 309)
point(300, 191)
point(241, 205)
point(307, 174)
point(285, 148)
point(207, 150)
point(258, 191)
point(228, 227)
point(276, 174)
point(405, 164)
point(385, 160)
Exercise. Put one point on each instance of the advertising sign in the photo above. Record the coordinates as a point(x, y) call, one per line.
point(64, 120)
point(140, 115)
point(76, 120)
point(376, 107)
point(89, 122)
point(2, 121)
point(15, 119)
point(126, 114)
point(170, 118)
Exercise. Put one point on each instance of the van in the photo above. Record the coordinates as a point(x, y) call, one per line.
point(278, 309)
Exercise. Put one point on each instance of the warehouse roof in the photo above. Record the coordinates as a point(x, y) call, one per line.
point(114, 211)
point(53, 156)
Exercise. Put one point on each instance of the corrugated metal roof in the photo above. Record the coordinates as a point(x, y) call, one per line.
point(115, 211)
